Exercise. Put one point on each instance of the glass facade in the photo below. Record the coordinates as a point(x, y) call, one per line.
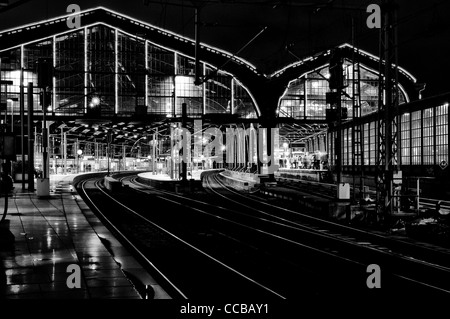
point(316, 87)
point(416, 138)
point(442, 133)
point(292, 105)
point(366, 146)
point(101, 67)
point(123, 72)
point(187, 92)
point(69, 72)
point(11, 71)
point(373, 131)
point(217, 92)
point(305, 97)
point(428, 137)
point(369, 144)
point(424, 136)
point(406, 136)
point(131, 73)
point(345, 149)
point(350, 147)
point(243, 103)
point(330, 142)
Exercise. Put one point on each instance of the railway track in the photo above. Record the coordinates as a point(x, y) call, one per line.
point(391, 239)
point(324, 190)
point(184, 269)
point(279, 250)
point(405, 252)
point(328, 191)
point(366, 244)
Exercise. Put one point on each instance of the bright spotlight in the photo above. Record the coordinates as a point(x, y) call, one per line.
point(96, 100)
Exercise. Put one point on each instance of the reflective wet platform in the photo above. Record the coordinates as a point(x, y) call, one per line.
point(42, 237)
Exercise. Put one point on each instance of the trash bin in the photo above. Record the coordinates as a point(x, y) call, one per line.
point(43, 187)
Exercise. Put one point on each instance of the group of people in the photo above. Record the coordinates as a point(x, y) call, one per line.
point(303, 162)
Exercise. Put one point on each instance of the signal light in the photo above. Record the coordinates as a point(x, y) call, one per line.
point(48, 99)
point(331, 115)
point(344, 113)
point(336, 80)
point(44, 69)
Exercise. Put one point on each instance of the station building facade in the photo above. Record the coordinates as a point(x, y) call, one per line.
point(116, 74)
point(124, 71)
point(109, 73)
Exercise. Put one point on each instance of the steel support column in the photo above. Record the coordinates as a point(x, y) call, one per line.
point(30, 137)
point(388, 160)
point(22, 126)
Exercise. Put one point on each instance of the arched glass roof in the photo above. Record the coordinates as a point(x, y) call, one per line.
point(305, 97)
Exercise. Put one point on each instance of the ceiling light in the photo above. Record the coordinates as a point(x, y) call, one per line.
point(95, 100)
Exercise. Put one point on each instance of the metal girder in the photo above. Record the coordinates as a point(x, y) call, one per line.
point(388, 160)
point(295, 132)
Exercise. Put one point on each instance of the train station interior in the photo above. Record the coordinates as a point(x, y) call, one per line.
point(350, 127)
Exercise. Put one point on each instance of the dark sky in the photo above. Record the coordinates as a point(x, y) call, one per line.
point(305, 27)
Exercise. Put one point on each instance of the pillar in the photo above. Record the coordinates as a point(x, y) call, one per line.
point(30, 138)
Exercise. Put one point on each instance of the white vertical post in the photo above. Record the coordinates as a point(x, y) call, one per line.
point(172, 161)
point(204, 89)
point(22, 57)
point(305, 94)
point(232, 96)
point(22, 117)
point(154, 142)
point(96, 157)
point(116, 71)
point(65, 152)
point(124, 156)
point(54, 77)
point(146, 74)
point(12, 113)
point(418, 194)
point(175, 64)
point(85, 69)
point(62, 150)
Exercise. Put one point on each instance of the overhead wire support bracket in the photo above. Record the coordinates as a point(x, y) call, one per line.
point(210, 76)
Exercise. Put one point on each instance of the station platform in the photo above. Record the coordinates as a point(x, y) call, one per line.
point(163, 181)
point(40, 238)
point(195, 175)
